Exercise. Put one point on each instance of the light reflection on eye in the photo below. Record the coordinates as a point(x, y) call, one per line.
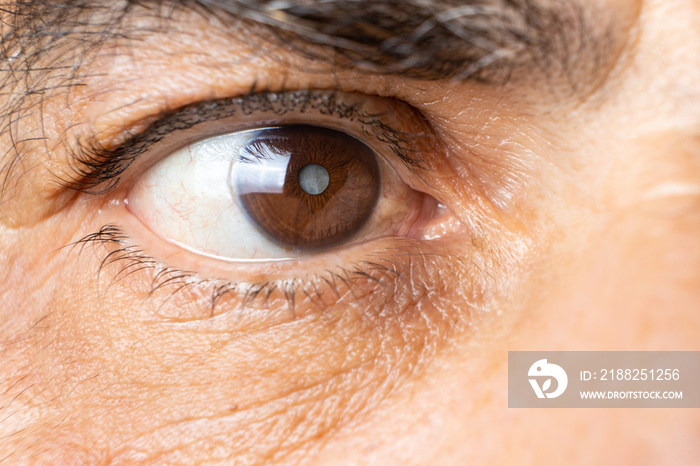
point(279, 205)
point(270, 193)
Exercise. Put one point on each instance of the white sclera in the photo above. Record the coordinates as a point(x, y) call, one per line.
point(189, 199)
point(313, 178)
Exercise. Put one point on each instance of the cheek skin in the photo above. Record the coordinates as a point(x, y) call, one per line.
point(113, 350)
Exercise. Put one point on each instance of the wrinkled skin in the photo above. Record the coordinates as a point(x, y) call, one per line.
point(571, 224)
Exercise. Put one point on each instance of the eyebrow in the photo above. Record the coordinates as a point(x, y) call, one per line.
point(483, 40)
point(423, 39)
point(489, 41)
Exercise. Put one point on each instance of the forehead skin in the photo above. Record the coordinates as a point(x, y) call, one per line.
point(575, 174)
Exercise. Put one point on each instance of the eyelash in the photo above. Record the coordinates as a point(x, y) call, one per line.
point(96, 169)
point(131, 260)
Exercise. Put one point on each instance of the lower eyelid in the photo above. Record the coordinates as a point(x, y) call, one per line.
point(382, 271)
point(358, 331)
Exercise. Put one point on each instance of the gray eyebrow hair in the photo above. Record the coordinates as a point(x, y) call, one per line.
point(427, 39)
point(43, 44)
point(485, 40)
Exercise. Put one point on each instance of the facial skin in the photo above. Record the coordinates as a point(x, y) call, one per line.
point(572, 206)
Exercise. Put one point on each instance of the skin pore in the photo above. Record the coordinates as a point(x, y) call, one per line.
point(563, 143)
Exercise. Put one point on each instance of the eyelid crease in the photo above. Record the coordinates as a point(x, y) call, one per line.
point(96, 169)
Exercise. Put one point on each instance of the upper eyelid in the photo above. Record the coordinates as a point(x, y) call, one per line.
point(96, 169)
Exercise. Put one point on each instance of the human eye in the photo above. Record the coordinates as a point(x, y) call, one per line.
point(275, 193)
point(324, 184)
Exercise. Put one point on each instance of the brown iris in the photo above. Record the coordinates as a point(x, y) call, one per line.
point(307, 187)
